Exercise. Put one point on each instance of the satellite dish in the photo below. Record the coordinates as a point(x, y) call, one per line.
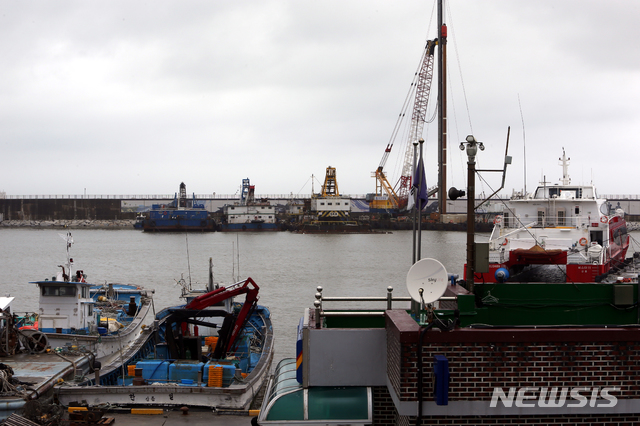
point(430, 276)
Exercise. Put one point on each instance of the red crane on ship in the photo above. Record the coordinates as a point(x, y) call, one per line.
point(197, 309)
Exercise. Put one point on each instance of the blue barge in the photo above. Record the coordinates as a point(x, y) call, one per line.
point(180, 215)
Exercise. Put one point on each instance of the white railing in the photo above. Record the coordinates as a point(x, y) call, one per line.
point(611, 197)
point(547, 221)
point(389, 299)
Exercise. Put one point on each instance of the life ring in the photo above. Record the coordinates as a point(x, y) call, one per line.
point(604, 219)
point(505, 242)
point(583, 241)
point(497, 220)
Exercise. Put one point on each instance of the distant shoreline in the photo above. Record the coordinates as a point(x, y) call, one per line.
point(69, 224)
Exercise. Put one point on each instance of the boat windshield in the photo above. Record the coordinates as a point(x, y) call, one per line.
point(58, 290)
point(564, 192)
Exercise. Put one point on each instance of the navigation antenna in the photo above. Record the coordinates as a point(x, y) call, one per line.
point(186, 237)
point(69, 240)
point(235, 256)
point(211, 286)
point(524, 146)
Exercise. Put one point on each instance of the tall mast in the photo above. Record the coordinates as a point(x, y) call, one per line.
point(442, 111)
point(564, 162)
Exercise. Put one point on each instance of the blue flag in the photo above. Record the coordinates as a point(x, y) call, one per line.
point(419, 186)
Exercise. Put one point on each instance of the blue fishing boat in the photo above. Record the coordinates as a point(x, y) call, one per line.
point(78, 327)
point(139, 222)
point(180, 215)
point(209, 352)
point(104, 320)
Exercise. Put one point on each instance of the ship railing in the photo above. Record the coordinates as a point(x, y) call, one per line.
point(582, 257)
point(548, 221)
point(389, 299)
point(611, 197)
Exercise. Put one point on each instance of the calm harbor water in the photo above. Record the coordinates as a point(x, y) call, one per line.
point(288, 267)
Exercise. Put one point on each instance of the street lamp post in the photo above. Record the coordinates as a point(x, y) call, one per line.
point(472, 149)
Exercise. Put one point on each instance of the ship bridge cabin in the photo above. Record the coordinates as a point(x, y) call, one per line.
point(566, 192)
point(555, 206)
point(65, 307)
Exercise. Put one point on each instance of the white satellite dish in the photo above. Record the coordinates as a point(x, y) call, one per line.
point(430, 276)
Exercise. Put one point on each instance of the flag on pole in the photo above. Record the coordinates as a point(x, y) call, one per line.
point(419, 187)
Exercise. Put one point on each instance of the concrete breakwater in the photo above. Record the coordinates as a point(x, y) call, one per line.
point(71, 224)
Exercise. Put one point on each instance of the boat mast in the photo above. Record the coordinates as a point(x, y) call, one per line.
point(442, 112)
point(564, 162)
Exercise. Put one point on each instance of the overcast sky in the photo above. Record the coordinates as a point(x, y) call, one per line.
point(132, 97)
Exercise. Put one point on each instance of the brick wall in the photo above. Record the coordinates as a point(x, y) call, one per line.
point(483, 359)
point(384, 412)
point(477, 368)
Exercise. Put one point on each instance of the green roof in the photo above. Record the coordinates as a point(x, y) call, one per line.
point(287, 401)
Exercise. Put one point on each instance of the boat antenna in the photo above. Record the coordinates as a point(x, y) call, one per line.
point(210, 286)
point(238, 255)
point(186, 237)
point(524, 146)
point(507, 161)
point(69, 240)
point(312, 185)
point(303, 186)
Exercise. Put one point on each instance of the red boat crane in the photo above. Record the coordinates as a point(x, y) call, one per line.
point(248, 287)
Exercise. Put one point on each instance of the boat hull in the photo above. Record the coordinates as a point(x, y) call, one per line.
point(334, 228)
point(176, 225)
point(248, 227)
point(237, 395)
point(582, 258)
point(109, 346)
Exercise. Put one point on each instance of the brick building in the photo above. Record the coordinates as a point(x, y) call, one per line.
point(567, 355)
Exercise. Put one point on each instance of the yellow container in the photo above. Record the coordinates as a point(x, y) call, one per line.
point(215, 376)
point(148, 411)
point(131, 370)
